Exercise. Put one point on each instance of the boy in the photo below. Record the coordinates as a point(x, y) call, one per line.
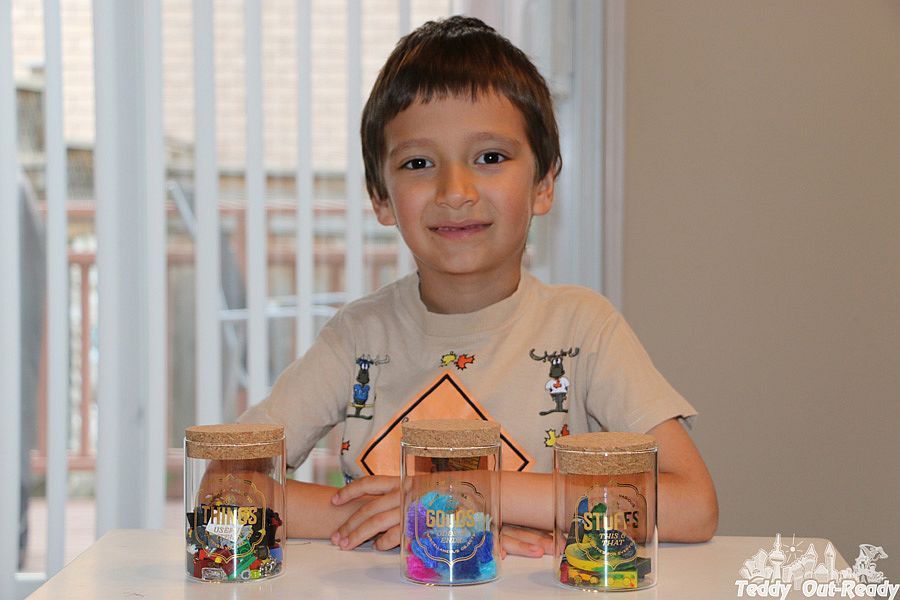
point(461, 150)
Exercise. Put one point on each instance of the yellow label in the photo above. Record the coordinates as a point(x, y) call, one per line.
point(461, 518)
point(620, 520)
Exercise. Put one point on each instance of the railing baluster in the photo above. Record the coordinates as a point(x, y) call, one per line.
point(57, 292)
point(10, 366)
point(87, 397)
point(405, 262)
point(121, 291)
point(208, 287)
point(353, 270)
point(305, 265)
point(257, 287)
point(155, 425)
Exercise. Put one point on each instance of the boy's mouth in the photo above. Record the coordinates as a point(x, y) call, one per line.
point(462, 228)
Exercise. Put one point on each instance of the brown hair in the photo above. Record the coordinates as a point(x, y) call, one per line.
point(455, 57)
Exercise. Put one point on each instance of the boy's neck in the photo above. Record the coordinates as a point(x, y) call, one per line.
point(458, 294)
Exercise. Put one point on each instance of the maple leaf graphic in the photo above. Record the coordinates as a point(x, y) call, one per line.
point(550, 440)
point(464, 360)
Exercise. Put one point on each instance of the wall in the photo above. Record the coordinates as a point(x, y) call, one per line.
point(762, 252)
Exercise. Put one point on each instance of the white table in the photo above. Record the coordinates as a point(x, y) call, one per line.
point(140, 563)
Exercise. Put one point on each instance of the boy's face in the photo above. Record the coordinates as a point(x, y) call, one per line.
point(460, 177)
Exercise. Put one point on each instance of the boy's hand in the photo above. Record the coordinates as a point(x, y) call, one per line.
point(521, 541)
point(381, 515)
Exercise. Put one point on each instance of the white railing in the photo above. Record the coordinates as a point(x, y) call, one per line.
point(207, 284)
point(155, 264)
point(10, 329)
point(303, 269)
point(131, 236)
point(255, 179)
point(131, 257)
point(57, 290)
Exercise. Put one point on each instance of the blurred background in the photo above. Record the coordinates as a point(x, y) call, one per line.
point(183, 202)
point(188, 210)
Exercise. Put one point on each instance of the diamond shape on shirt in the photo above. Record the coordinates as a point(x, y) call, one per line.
point(444, 398)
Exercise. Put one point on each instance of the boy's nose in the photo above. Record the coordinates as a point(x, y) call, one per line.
point(456, 187)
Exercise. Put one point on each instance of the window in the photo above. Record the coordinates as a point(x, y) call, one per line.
point(189, 191)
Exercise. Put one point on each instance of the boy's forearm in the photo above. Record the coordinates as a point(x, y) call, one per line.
point(688, 512)
point(527, 499)
point(310, 512)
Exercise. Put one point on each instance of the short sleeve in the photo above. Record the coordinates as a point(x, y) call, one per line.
point(625, 391)
point(310, 395)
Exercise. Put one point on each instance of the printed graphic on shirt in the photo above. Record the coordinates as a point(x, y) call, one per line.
point(345, 446)
point(551, 437)
point(361, 388)
point(460, 361)
point(444, 398)
point(558, 385)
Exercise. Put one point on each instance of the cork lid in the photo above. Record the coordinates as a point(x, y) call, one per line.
point(450, 437)
point(606, 453)
point(234, 440)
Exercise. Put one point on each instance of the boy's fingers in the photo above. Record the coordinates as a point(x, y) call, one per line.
point(535, 538)
point(525, 542)
point(513, 545)
point(390, 539)
point(369, 528)
point(378, 505)
point(374, 485)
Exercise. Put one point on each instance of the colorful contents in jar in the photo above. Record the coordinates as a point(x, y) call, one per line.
point(598, 555)
point(448, 543)
point(232, 543)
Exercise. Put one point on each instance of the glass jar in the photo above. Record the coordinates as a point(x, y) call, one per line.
point(450, 482)
point(234, 501)
point(605, 532)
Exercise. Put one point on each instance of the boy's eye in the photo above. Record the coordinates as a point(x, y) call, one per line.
point(417, 163)
point(490, 158)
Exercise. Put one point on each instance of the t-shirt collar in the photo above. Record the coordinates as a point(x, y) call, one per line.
point(491, 317)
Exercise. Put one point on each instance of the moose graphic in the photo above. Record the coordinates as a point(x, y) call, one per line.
point(558, 386)
point(361, 387)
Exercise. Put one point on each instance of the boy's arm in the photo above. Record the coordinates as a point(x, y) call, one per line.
point(688, 508)
point(379, 512)
point(310, 512)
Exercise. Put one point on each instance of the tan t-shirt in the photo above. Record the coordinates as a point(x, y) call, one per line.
point(545, 362)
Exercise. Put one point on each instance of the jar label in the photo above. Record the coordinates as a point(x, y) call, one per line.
point(602, 545)
point(232, 533)
point(450, 523)
point(232, 517)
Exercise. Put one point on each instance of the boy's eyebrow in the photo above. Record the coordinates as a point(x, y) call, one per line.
point(480, 136)
point(491, 136)
point(413, 143)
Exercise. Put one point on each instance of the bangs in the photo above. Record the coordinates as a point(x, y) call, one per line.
point(463, 67)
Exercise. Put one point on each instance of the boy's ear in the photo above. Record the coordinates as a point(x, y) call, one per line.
point(543, 194)
point(384, 212)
